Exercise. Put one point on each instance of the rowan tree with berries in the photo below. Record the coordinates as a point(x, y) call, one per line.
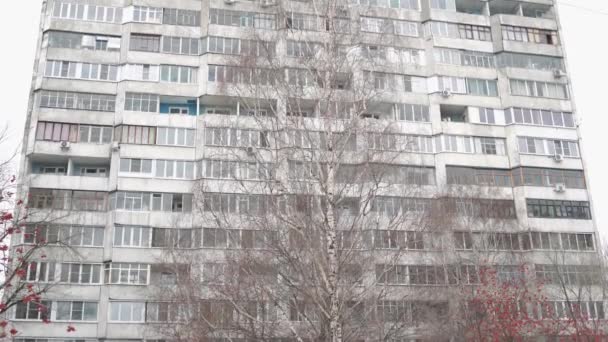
point(16, 258)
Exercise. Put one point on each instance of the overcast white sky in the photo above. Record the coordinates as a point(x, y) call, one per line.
point(582, 21)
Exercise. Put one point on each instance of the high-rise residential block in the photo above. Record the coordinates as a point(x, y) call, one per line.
point(136, 103)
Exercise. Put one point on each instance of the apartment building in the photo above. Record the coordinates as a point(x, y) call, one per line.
point(128, 98)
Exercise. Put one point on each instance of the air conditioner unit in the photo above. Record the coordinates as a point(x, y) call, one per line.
point(65, 145)
point(229, 2)
point(446, 93)
point(250, 150)
point(559, 187)
point(268, 3)
point(558, 158)
point(115, 146)
point(557, 73)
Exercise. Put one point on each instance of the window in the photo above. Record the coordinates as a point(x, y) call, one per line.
point(533, 62)
point(233, 74)
point(529, 176)
point(236, 46)
point(224, 136)
point(76, 311)
point(174, 169)
point(541, 146)
point(300, 21)
point(481, 87)
point(242, 19)
point(213, 273)
point(464, 144)
point(164, 312)
point(143, 166)
point(75, 236)
point(463, 57)
point(144, 42)
point(181, 45)
point(94, 134)
point(174, 16)
point(529, 35)
point(577, 241)
point(491, 146)
point(43, 272)
point(135, 135)
point(145, 201)
point(175, 136)
point(529, 116)
point(73, 100)
point(500, 241)
point(73, 40)
point(68, 200)
point(396, 82)
point(463, 240)
point(225, 169)
point(138, 102)
point(49, 170)
point(127, 312)
point(395, 206)
point(478, 176)
point(86, 171)
point(238, 238)
point(233, 203)
point(126, 274)
point(509, 274)
point(411, 112)
point(373, 173)
point(302, 48)
point(539, 89)
point(395, 239)
point(410, 275)
point(79, 273)
point(568, 274)
point(88, 12)
point(403, 4)
point(51, 131)
point(176, 238)
point(60, 69)
point(477, 59)
point(78, 70)
point(543, 208)
point(474, 32)
point(147, 14)
point(393, 26)
point(475, 207)
point(132, 236)
point(453, 84)
point(178, 74)
point(486, 115)
point(33, 311)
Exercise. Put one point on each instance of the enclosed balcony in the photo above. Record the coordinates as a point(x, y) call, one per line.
point(226, 105)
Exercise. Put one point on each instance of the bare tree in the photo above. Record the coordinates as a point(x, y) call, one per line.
point(313, 199)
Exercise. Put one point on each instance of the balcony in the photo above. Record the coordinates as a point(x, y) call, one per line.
point(453, 113)
point(55, 148)
point(535, 10)
point(69, 182)
point(226, 105)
